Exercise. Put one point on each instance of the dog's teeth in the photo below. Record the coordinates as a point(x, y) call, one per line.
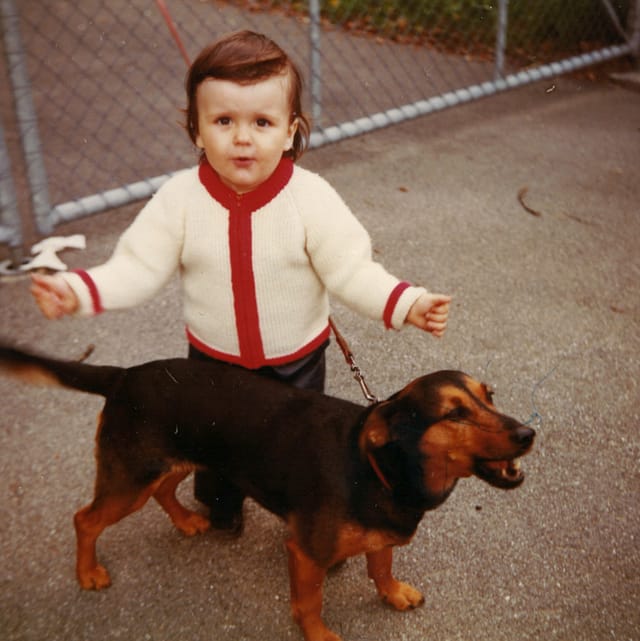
point(511, 470)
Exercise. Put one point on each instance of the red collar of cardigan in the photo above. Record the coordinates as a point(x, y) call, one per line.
point(252, 200)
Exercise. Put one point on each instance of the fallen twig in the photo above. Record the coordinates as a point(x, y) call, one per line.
point(521, 194)
point(87, 352)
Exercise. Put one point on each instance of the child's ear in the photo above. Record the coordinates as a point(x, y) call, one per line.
point(293, 127)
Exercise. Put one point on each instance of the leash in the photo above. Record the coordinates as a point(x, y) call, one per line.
point(357, 374)
point(348, 357)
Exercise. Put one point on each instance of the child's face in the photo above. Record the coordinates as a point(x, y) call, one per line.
point(244, 129)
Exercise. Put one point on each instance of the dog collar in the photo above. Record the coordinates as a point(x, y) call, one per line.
point(376, 468)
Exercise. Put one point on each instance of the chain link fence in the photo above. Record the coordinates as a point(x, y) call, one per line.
point(92, 117)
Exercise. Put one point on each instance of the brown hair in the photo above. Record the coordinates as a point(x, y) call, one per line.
point(246, 57)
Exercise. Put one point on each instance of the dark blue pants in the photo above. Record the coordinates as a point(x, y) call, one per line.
point(222, 497)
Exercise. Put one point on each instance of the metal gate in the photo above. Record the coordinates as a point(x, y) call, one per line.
point(92, 116)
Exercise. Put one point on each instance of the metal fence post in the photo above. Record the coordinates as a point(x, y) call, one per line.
point(26, 115)
point(10, 226)
point(314, 71)
point(634, 31)
point(501, 38)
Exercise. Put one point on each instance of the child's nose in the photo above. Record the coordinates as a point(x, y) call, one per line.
point(242, 134)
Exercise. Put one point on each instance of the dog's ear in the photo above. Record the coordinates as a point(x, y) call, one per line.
point(389, 439)
point(375, 432)
point(389, 421)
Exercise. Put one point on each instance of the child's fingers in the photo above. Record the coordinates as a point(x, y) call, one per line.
point(50, 296)
point(436, 315)
point(437, 318)
point(41, 285)
point(440, 308)
point(430, 313)
point(443, 308)
point(437, 328)
point(440, 300)
point(48, 304)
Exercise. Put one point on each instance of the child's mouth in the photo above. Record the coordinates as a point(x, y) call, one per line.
point(242, 162)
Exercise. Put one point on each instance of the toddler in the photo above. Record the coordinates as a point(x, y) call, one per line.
point(259, 242)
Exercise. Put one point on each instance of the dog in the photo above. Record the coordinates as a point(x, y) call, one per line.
point(346, 479)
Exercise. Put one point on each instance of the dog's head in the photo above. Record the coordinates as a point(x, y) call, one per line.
point(442, 427)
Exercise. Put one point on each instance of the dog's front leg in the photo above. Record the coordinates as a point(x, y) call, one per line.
point(305, 580)
point(400, 595)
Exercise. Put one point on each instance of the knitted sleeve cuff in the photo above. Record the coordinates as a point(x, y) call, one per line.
point(399, 303)
point(83, 286)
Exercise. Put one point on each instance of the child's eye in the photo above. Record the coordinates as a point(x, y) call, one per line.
point(223, 120)
point(262, 122)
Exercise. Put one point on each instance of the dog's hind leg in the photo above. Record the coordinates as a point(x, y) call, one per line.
point(400, 595)
point(185, 520)
point(91, 521)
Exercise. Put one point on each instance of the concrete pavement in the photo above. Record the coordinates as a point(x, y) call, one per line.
point(546, 309)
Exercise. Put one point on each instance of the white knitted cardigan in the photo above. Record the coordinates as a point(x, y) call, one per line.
point(256, 269)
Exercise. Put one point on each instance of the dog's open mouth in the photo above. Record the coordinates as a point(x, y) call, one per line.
point(505, 474)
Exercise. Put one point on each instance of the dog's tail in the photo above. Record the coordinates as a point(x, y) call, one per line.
point(40, 370)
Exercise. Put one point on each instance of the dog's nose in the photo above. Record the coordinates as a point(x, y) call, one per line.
point(524, 435)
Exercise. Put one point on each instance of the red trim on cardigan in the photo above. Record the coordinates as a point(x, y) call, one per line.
point(245, 302)
point(252, 200)
point(241, 208)
point(93, 290)
point(273, 362)
point(392, 302)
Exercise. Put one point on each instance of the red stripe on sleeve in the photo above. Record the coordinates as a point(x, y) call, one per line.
point(392, 302)
point(93, 290)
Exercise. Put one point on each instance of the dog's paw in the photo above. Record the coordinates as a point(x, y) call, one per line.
point(319, 633)
point(193, 524)
point(403, 597)
point(96, 578)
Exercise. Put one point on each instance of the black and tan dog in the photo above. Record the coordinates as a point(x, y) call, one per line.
point(346, 479)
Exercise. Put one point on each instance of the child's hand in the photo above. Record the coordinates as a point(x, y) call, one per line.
point(430, 313)
point(53, 295)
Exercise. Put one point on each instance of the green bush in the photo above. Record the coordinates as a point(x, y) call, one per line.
point(543, 25)
point(561, 24)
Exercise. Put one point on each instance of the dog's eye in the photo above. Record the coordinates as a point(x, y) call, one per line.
point(457, 413)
